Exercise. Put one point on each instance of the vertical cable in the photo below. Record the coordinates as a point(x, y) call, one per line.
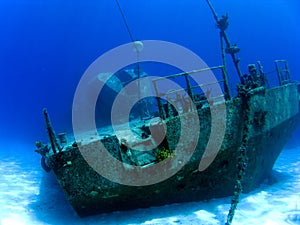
point(125, 21)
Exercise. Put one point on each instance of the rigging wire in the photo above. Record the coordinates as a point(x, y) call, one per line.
point(136, 45)
point(125, 21)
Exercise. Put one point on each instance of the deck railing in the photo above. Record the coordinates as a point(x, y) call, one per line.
point(190, 89)
point(283, 71)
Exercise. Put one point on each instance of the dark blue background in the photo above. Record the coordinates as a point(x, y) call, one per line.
point(46, 45)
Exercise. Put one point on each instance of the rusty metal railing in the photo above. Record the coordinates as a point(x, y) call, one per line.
point(283, 71)
point(189, 88)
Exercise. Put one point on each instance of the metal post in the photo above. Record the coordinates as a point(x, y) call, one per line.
point(278, 72)
point(228, 44)
point(224, 69)
point(188, 85)
point(234, 58)
point(287, 70)
point(226, 86)
point(159, 102)
point(51, 134)
point(262, 74)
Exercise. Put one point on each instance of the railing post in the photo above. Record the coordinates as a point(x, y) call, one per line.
point(278, 72)
point(159, 102)
point(287, 70)
point(226, 86)
point(188, 85)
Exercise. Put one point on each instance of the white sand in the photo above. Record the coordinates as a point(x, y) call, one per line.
point(28, 195)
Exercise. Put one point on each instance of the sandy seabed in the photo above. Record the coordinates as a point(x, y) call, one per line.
point(29, 195)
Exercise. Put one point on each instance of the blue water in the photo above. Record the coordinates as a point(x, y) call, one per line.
point(46, 45)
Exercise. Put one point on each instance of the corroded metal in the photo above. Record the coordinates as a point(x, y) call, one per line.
point(273, 115)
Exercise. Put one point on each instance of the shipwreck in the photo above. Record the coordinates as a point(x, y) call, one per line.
point(260, 119)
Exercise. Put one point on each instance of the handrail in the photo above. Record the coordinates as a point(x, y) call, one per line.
point(282, 73)
point(189, 89)
point(190, 72)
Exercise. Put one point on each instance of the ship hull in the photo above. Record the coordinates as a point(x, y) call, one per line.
point(273, 116)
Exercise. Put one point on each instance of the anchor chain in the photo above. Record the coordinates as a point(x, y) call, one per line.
point(242, 158)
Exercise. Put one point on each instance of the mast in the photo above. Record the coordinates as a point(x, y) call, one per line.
point(222, 24)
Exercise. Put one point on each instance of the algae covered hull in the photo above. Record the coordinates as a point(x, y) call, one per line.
point(272, 116)
point(189, 140)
